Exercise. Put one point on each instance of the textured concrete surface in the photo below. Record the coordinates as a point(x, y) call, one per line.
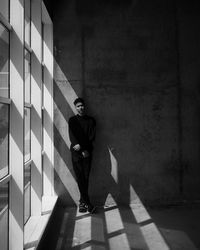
point(137, 65)
point(117, 228)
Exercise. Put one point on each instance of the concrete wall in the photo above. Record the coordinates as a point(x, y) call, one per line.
point(136, 63)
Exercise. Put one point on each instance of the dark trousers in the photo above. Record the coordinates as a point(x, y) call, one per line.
point(82, 167)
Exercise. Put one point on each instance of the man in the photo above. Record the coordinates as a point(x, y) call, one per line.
point(82, 134)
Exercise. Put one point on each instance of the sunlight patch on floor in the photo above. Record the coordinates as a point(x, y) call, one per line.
point(139, 211)
point(113, 220)
point(119, 242)
point(153, 237)
point(151, 234)
point(82, 231)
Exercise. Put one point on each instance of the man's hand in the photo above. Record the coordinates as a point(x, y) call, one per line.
point(85, 154)
point(77, 147)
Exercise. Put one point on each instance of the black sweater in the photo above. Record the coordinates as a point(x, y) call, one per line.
point(82, 131)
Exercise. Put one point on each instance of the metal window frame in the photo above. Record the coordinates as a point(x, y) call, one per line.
point(28, 48)
point(5, 179)
point(47, 64)
point(5, 22)
point(17, 103)
point(5, 100)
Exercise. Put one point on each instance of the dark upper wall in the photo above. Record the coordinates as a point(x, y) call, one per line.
point(136, 64)
point(50, 6)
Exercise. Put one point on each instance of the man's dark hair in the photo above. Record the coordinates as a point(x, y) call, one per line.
point(79, 99)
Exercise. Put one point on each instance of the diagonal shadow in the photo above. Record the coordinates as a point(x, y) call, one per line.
point(62, 148)
point(61, 102)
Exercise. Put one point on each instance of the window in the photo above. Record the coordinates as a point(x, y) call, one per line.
point(4, 7)
point(42, 107)
point(27, 134)
point(4, 61)
point(21, 122)
point(27, 76)
point(27, 111)
point(4, 216)
point(27, 22)
point(4, 123)
point(4, 139)
point(27, 165)
point(27, 192)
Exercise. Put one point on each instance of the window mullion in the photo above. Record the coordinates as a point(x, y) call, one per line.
point(5, 22)
point(5, 180)
point(5, 100)
point(28, 48)
point(16, 201)
point(26, 164)
point(36, 115)
point(28, 105)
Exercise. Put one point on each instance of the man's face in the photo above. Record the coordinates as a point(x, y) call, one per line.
point(80, 108)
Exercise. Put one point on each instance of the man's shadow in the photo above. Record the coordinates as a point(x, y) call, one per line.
point(110, 191)
point(108, 178)
point(100, 179)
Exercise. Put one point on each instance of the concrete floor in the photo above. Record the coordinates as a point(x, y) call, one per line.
point(124, 228)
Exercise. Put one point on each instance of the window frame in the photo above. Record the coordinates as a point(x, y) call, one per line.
point(5, 22)
point(7, 27)
point(15, 179)
point(5, 180)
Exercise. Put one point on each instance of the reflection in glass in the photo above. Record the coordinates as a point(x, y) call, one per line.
point(4, 139)
point(27, 134)
point(27, 22)
point(27, 76)
point(27, 193)
point(4, 6)
point(4, 62)
point(4, 217)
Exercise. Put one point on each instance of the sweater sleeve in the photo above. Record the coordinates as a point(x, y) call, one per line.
point(71, 132)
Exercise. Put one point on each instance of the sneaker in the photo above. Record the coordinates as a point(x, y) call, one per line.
point(82, 208)
point(91, 208)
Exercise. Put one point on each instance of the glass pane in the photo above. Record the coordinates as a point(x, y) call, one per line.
point(42, 41)
point(4, 139)
point(42, 129)
point(4, 6)
point(27, 22)
point(42, 92)
point(4, 217)
point(27, 134)
point(27, 193)
point(27, 76)
point(4, 61)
